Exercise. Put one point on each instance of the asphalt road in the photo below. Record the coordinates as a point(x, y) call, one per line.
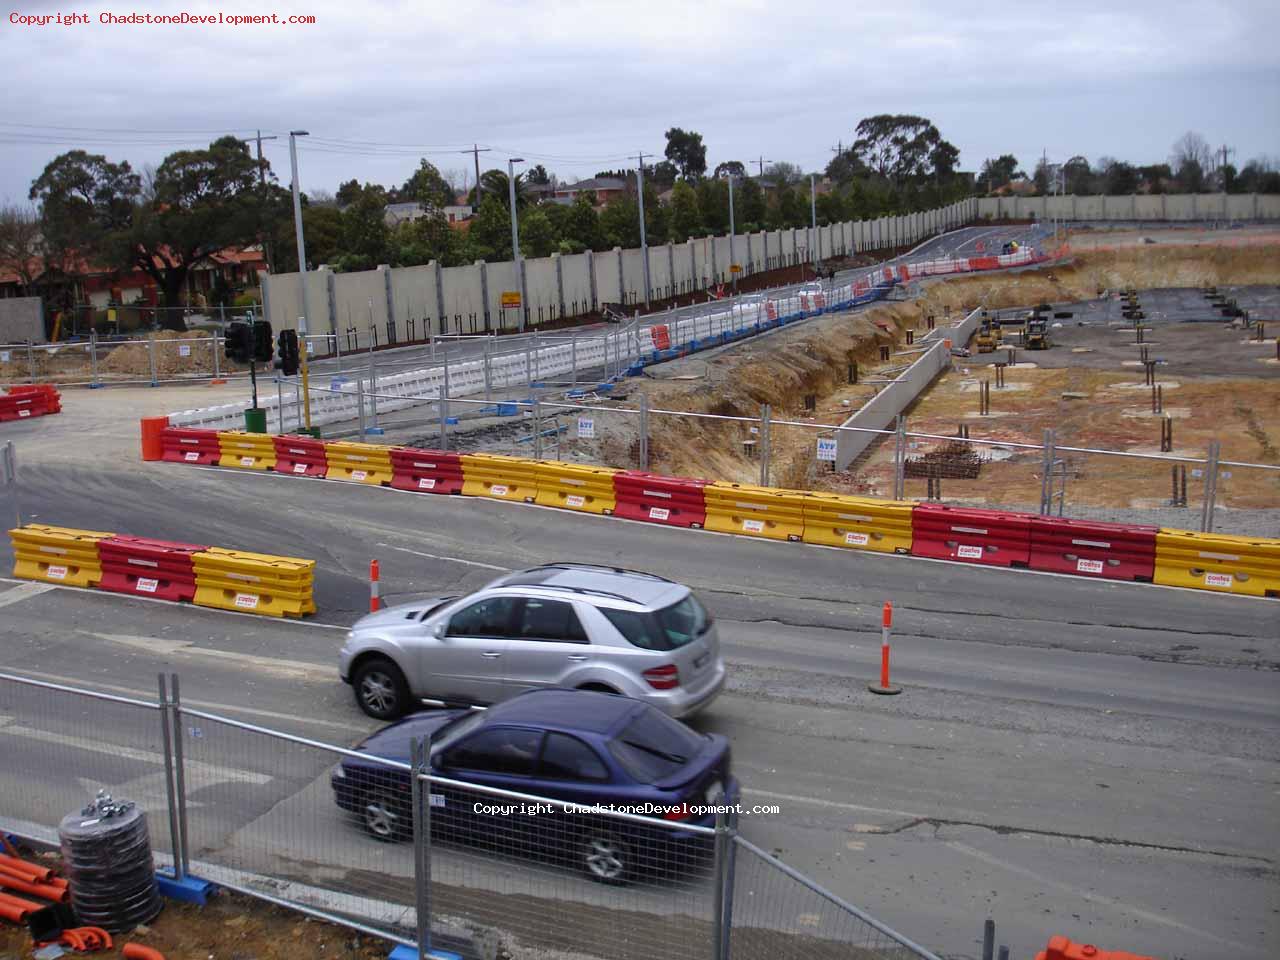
point(1092, 759)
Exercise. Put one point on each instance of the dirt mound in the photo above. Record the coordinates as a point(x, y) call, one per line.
point(172, 360)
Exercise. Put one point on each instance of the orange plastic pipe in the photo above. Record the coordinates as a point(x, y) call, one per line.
point(23, 868)
point(136, 951)
point(45, 890)
point(15, 908)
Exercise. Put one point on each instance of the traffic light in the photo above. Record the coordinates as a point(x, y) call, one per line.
point(287, 350)
point(262, 341)
point(239, 342)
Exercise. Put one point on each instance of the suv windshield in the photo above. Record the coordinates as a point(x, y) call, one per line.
point(653, 747)
point(667, 629)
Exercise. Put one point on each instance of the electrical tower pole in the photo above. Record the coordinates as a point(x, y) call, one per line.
point(475, 151)
point(762, 161)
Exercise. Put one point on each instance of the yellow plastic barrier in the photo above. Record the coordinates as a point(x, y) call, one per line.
point(57, 554)
point(254, 582)
point(755, 511)
point(248, 451)
point(503, 478)
point(1218, 561)
point(574, 487)
point(359, 462)
point(862, 523)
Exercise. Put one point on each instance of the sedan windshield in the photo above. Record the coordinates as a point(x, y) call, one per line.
point(653, 746)
point(667, 629)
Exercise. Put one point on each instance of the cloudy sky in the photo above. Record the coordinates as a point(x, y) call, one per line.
point(578, 86)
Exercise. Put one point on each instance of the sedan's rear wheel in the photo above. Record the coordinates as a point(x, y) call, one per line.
point(606, 858)
point(381, 689)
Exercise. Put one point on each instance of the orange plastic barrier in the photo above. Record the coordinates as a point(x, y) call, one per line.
point(1060, 948)
point(153, 437)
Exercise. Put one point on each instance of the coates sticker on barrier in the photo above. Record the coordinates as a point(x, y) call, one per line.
point(857, 539)
point(575, 501)
point(147, 585)
point(359, 474)
point(184, 349)
point(1089, 566)
point(586, 428)
point(5, 356)
point(659, 513)
point(299, 468)
point(753, 526)
point(499, 489)
point(969, 553)
point(60, 572)
point(426, 483)
point(437, 799)
point(1210, 579)
point(248, 601)
point(246, 461)
point(24, 413)
point(827, 450)
point(191, 456)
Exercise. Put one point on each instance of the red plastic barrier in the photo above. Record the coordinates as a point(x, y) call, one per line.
point(1060, 948)
point(1091, 549)
point(820, 301)
point(770, 310)
point(425, 471)
point(984, 263)
point(53, 399)
point(155, 568)
point(675, 501)
point(974, 536)
point(904, 274)
point(888, 274)
point(301, 456)
point(20, 406)
point(183, 445)
point(661, 336)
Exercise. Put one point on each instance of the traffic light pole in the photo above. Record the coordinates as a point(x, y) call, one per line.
point(253, 359)
point(302, 369)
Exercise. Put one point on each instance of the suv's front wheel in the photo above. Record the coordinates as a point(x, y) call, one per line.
point(380, 689)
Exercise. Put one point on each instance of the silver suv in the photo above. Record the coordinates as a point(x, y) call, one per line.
point(560, 625)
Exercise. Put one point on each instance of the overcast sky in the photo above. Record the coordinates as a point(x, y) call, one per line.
point(577, 86)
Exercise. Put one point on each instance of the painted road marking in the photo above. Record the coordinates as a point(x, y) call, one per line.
point(24, 591)
point(209, 770)
point(286, 669)
point(433, 556)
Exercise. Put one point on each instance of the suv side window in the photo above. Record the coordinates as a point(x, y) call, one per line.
point(511, 750)
point(490, 617)
point(540, 619)
point(568, 758)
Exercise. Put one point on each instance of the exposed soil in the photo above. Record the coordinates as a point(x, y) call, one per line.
point(191, 357)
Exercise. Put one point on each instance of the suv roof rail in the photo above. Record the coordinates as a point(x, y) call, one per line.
point(575, 565)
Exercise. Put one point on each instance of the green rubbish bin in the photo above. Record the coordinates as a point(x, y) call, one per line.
point(255, 420)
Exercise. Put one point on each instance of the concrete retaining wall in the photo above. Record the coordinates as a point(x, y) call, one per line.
point(1172, 207)
point(22, 320)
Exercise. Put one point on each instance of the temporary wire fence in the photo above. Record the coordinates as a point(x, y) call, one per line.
point(381, 842)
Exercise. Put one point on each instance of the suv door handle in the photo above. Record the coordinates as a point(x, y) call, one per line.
point(491, 654)
point(576, 657)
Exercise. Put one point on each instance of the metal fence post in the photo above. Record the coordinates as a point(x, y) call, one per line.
point(31, 362)
point(444, 419)
point(373, 390)
point(11, 479)
point(721, 855)
point(166, 737)
point(151, 356)
point(730, 871)
point(280, 403)
point(179, 768)
point(644, 432)
point(446, 369)
point(360, 404)
point(217, 360)
point(764, 444)
point(421, 748)
point(528, 366)
point(1046, 475)
point(574, 354)
point(488, 373)
point(1210, 487)
point(900, 458)
point(537, 429)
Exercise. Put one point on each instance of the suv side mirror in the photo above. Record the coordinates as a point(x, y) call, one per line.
point(439, 629)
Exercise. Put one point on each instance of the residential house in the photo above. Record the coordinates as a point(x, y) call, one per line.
point(606, 189)
point(397, 213)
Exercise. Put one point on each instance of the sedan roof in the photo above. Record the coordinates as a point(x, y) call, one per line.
point(586, 711)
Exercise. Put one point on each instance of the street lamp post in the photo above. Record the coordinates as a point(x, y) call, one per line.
point(732, 273)
point(644, 244)
point(515, 232)
point(302, 271)
point(813, 218)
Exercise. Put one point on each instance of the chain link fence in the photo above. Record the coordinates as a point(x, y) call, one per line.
point(369, 839)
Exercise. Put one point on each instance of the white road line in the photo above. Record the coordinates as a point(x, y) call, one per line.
point(285, 669)
point(214, 705)
point(210, 770)
point(832, 804)
point(126, 597)
point(433, 556)
point(1092, 897)
point(25, 590)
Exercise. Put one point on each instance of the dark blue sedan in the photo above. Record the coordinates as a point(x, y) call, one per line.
point(589, 749)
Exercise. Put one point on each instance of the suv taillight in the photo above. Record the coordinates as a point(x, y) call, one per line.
point(666, 677)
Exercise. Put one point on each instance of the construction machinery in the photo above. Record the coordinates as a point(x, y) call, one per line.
point(1035, 335)
point(988, 337)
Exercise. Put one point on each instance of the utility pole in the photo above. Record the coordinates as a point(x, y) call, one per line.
point(1225, 151)
point(762, 161)
point(262, 181)
point(302, 278)
point(475, 151)
point(515, 234)
point(733, 274)
point(644, 245)
point(813, 215)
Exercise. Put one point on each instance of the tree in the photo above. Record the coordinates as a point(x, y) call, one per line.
point(783, 174)
point(1258, 176)
point(831, 208)
point(20, 245)
point(1156, 177)
point(538, 237)
point(348, 192)
point(490, 232)
point(1000, 171)
point(85, 201)
point(663, 173)
point(422, 240)
point(687, 152)
point(620, 223)
point(1077, 177)
point(1119, 178)
point(713, 205)
point(1191, 158)
point(684, 221)
point(427, 187)
point(732, 167)
point(901, 147)
point(539, 176)
point(495, 186)
point(364, 239)
point(582, 224)
point(753, 205)
point(944, 158)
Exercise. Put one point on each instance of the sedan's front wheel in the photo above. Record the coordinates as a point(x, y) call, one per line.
point(386, 817)
point(606, 858)
point(380, 689)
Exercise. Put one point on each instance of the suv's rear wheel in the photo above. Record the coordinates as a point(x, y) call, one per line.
point(380, 689)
